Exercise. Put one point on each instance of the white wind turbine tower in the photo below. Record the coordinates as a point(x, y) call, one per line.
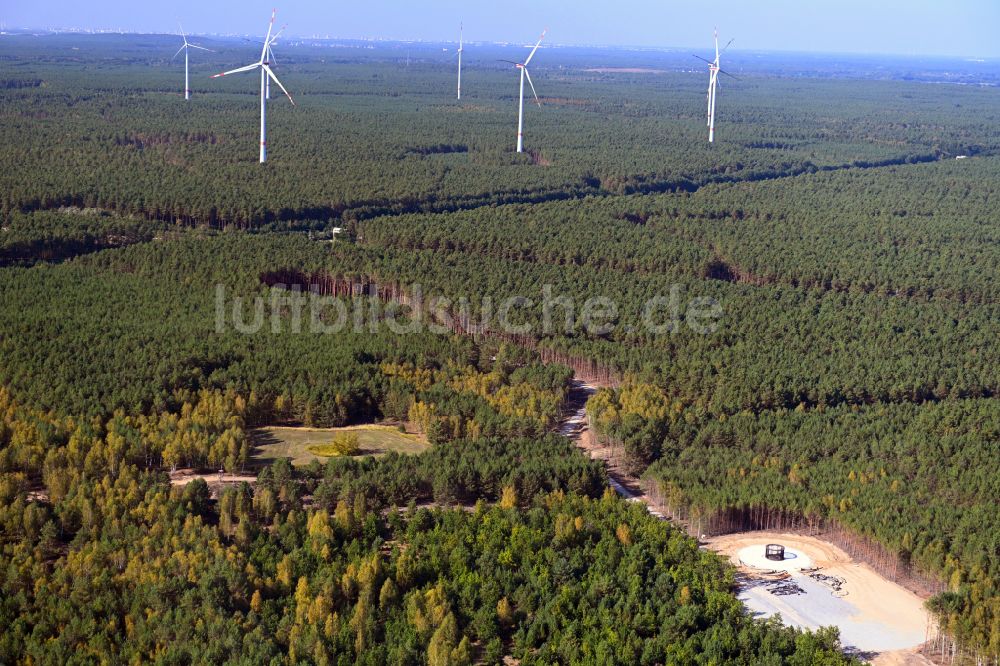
point(461, 36)
point(713, 82)
point(523, 66)
point(265, 75)
point(186, 47)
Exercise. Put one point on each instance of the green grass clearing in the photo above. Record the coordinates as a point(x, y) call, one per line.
point(303, 445)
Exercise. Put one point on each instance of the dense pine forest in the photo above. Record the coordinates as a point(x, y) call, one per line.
point(849, 372)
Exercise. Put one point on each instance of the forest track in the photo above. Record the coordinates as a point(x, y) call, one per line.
point(362, 211)
point(576, 426)
point(215, 480)
point(359, 211)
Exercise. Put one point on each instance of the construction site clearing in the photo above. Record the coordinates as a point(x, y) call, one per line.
point(815, 584)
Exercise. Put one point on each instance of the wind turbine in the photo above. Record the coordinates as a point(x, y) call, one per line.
point(271, 59)
point(461, 36)
point(713, 81)
point(523, 66)
point(265, 75)
point(186, 47)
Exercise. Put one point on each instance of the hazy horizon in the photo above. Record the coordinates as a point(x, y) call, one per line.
point(851, 27)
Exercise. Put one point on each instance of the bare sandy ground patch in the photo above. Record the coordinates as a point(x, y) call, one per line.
point(215, 481)
point(874, 615)
point(902, 658)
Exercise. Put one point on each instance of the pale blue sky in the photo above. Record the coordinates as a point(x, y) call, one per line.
point(908, 27)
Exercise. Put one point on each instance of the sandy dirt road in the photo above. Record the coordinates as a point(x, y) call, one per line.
point(215, 481)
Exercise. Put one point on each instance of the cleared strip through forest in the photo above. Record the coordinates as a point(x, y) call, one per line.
point(720, 268)
point(588, 368)
point(590, 186)
point(392, 292)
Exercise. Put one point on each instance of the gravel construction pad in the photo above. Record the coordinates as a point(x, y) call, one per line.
point(816, 605)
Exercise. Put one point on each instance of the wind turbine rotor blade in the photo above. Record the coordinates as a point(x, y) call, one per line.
point(181, 28)
point(275, 79)
point(267, 39)
point(722, 71)
point(179, 51)
point(532, 87)
point(509, 61)
point(728, 44)
point(703, 59)
point(237, 70)
point(532, 54)
point(195, 46)
point(274, 38)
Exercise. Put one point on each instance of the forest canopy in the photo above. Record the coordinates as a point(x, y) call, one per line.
point(851, 376)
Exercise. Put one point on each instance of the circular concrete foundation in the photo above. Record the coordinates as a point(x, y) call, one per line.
point(794, 560)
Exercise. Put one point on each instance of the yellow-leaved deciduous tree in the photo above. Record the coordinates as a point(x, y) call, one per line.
point(332, 625)
point(319, 609)
point(302, 598)
point(346, 444)
point(796, 475)
point(470, 380)
point(426, 610)
point(421, 415)
point(388, 594)
point(603, 410)
point(256, 601)
point(472, 429)
point(644, 400)
point(420, 378)
point(445, 648)
point(282, 407)
point(405, 570)
point(320, 531)
point(293, 640)
point(320, 655)
point(284, 572)
point(527, 401)
point(369, 575)
point(522, 399)
point(624, 534)
point(343, 516)
point(265, 503)
point(505, 613)
point(508, 498)
point(57, 477)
